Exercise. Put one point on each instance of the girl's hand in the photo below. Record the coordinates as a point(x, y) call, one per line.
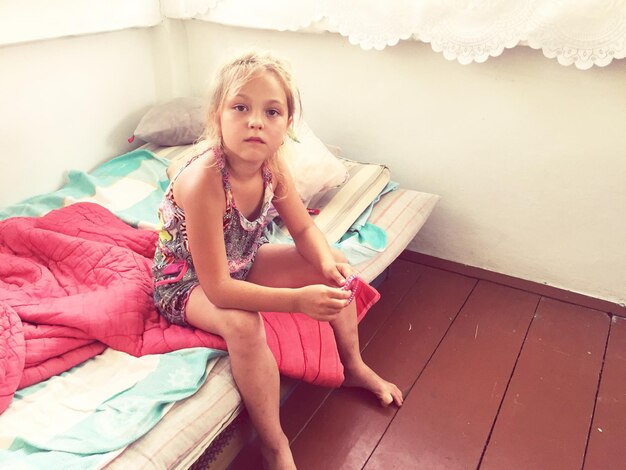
point(338, 272)
point(322, 302)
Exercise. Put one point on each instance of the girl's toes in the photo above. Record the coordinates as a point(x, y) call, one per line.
point(386, 399)
point(391, 394)
point(397, 397)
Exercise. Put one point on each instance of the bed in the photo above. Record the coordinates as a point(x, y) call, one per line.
point(122, 389)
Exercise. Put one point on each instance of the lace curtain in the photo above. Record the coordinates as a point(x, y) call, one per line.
point(580, 32)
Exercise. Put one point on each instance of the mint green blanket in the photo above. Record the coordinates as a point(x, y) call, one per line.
point(83, 418)
point(131, 186)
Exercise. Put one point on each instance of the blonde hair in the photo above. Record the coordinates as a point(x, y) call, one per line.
point(235, 74)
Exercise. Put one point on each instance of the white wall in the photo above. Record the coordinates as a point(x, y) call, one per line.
point(73, 102)
point(529, 156)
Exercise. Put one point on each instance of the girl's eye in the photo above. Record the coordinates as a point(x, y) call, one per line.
point(273, 112)
point(239, 107)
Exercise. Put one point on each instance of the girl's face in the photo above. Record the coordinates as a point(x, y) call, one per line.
point(254, 120)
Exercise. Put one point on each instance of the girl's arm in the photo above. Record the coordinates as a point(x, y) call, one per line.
point(199, 192)
point(309, 239)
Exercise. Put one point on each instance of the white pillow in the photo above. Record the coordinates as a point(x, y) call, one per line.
point(314, 168)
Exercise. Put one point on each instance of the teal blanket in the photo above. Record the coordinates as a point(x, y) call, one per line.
point(83, 418)
point(131, 186)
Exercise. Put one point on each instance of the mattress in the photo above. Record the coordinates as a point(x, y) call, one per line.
point(199, 425)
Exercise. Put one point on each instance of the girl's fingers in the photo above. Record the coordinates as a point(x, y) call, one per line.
point(346, 270)
point(337, 300)
point(342, 302)
point(340, 294)
point(337, 277)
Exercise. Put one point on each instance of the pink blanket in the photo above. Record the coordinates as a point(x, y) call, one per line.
point(78, 280)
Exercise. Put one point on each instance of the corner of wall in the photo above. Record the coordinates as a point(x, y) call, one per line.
point(171, 59)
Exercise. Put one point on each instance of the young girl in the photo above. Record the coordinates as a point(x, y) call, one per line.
point(213, 268)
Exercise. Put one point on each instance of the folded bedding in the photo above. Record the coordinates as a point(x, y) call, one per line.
point(362, 240)
point(78, 280)
point(342, 207)
point(87, 416)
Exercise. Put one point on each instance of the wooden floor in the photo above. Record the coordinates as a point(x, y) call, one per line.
point(494, 377)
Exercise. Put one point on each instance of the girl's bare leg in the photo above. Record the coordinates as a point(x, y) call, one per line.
point(254, 370)
point(357, 373)
point(282, 266)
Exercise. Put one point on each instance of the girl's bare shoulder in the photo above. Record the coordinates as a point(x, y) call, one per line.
point(282, 177)
point(200, 181)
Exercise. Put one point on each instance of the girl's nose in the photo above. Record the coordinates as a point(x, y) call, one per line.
point(255, 122)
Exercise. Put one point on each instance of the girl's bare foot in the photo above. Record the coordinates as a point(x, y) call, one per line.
point(278, 458)
point(360, 375)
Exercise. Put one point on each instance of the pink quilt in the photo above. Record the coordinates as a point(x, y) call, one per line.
point(78, 280)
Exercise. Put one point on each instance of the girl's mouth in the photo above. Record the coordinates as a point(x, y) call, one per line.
point(254, 140)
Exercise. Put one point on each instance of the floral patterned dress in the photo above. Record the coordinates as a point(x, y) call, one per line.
point(173, 270)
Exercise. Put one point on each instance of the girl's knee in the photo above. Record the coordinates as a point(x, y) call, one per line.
point(244, 330)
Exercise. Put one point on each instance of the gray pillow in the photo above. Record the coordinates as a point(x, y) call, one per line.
point(180, 121)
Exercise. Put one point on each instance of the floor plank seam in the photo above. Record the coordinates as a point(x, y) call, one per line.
point(393, 309)
point(508, 384)
point(442, 337)
point(406, 293)
point(291, 441)
point(423, 368)
point(595, 402)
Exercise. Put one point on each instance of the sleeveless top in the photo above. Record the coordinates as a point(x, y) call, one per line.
point(242, 237)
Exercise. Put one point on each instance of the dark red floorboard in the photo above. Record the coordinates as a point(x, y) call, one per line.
point(495, 377)
point(608, 430)
point(343, 432)
point(547, 411)
point(449, 413)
